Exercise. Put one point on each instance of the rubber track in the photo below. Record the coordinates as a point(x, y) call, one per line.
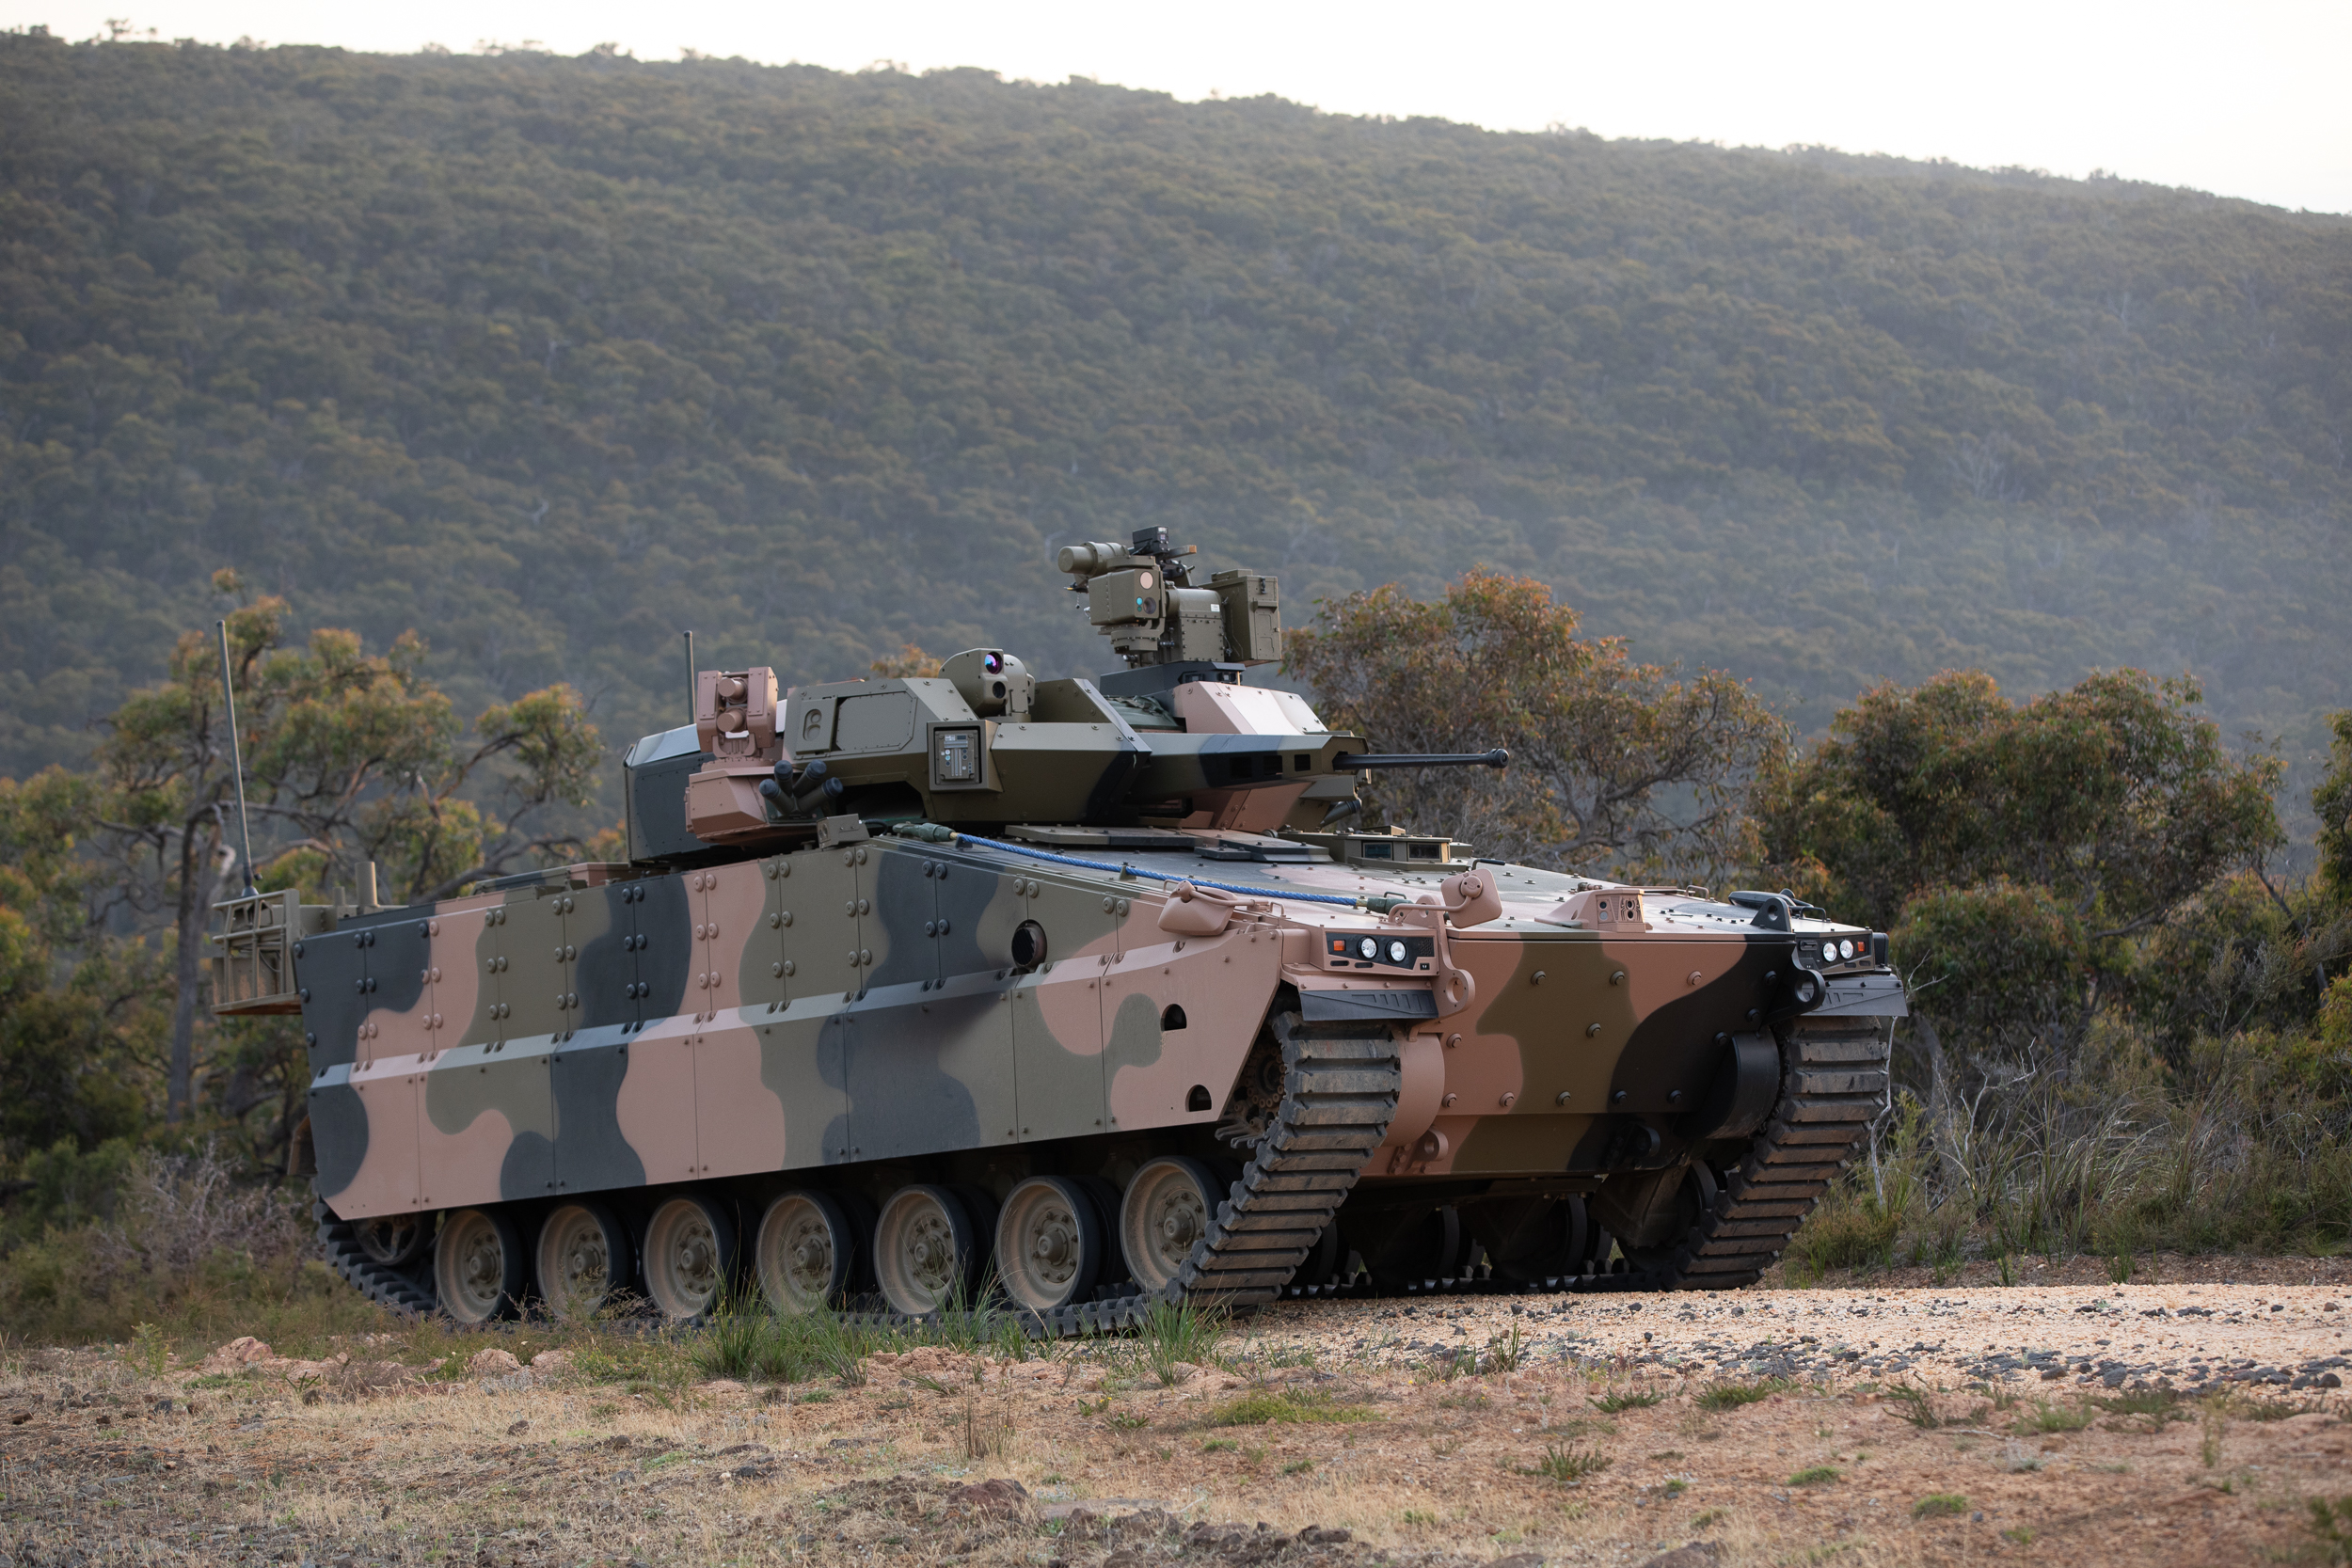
point(1338, 1096)
point(1833, 1077)
point(1833, 1082)
point(378, 1282)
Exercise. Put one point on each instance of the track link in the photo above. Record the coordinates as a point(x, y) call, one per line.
point(1833, 1077)
point(1339, 1092)
point(1833, 1082)
point(378, 1282)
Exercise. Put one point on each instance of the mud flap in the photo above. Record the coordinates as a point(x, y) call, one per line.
point(1745, 1083)
point(302, 1156)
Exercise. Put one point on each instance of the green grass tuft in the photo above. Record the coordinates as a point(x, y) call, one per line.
point(2158, 1407)
point(1939, 1505)
point(1267, 1406)
point(1174, 1332)
point(1615, 1400)
point(1720, 1397)
point(743, 1340)
point(1565, 1466)
point(2330, 1525)
point(2045, 1416)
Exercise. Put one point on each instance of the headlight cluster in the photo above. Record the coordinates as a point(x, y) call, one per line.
point(1834, 950)
point(1362, 950)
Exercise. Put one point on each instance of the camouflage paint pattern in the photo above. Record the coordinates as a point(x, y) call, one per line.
point(817, 1008)
point(852, 1004)
point(861, 1000)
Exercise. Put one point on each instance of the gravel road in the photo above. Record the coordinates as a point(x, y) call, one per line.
point(1881, 1426)
point(2192, 1338)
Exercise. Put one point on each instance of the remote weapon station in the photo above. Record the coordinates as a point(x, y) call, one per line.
point(1082, 991)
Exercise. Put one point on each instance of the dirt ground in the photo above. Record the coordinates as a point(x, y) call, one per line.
point(2184, 1420)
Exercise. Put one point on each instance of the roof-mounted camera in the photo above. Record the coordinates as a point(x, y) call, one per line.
point(1142, 598)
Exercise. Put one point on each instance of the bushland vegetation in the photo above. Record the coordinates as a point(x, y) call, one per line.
point(2130, 1028)
point(138, 1136)
point(515, 366)
point(547, 360)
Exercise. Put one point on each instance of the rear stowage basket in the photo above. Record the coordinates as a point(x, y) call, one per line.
point(253, 942)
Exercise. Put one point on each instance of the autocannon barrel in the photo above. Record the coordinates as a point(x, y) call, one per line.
point(1348, 762)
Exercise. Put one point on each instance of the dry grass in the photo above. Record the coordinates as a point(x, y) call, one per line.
point(178, 1243)
point(2097, 1161)
point(629, 1453)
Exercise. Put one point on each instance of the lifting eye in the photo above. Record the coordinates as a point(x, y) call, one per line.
point(1029, 946)
point(1196, 1098)
point(1172, 1017)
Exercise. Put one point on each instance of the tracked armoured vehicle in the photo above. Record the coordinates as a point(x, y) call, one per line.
point(1079, 991)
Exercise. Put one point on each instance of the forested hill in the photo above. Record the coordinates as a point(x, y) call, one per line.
point(550, 359)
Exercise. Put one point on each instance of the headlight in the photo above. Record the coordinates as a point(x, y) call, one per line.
point(1396, 952)
point(1845, 949)
point(1369, 947)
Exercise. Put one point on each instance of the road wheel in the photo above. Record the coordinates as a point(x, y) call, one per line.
point(477, 1266)
point(1049, 1244)
point(1693, 1199)
point(1322, 1266)
point(927, 1254)
point(1105, 1192)
point(1599, 1242)
point(1163, 1216)
point(583, 1259)
point(690, 1254)
point(392, 1239)
point(1409, 1246)
point(805, 1254)
point(1552, 1241)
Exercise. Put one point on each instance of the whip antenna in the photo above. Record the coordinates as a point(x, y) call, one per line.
point(236, 755)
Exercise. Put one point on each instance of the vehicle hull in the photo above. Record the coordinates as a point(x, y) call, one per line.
point(855, 1017)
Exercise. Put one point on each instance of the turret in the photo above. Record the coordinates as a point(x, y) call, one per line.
point(1173, 742)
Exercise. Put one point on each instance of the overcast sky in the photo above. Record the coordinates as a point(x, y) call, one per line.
point(2248, 100)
